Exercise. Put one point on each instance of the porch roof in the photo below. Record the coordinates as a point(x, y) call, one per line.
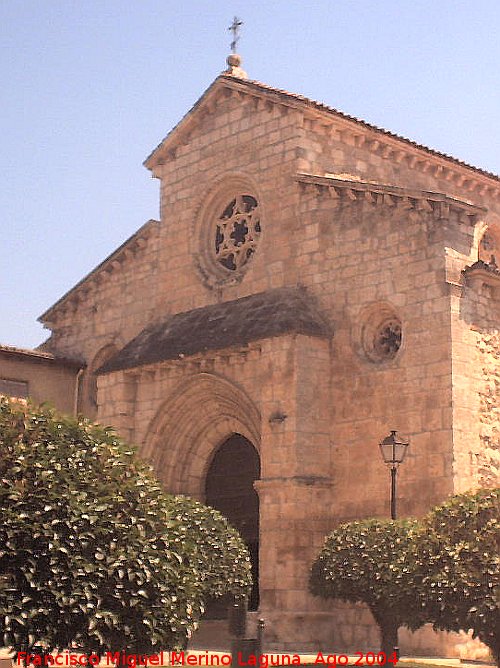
point(224, 325)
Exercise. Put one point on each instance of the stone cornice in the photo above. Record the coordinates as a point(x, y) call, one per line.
point(201, 363)
point(481, 273)
point(438, 204)
point(120, 257)
point(264, 485)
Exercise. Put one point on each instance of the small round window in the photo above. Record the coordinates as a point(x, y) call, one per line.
point(378, 333)
point(237, 232)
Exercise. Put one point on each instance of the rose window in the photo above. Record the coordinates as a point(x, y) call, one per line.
point(237, 232)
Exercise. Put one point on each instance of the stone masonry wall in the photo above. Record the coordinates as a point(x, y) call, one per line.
point(478, 389)
point(369, 258)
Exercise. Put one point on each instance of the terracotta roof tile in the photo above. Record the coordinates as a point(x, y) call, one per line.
point(38, 355)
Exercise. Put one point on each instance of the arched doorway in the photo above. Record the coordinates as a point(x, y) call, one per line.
point(229, 489)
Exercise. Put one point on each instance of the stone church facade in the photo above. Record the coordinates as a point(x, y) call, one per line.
point(313, 282)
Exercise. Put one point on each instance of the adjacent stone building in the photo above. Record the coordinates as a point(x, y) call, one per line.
point(313, 282)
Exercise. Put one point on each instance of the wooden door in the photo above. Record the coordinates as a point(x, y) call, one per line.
point(229, 489)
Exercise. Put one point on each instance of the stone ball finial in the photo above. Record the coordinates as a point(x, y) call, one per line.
point(233, 66)
point(234, 60)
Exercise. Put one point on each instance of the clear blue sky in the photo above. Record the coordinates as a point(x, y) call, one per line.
point(90, 87)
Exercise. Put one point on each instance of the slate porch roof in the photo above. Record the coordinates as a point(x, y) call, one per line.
point(219, 326)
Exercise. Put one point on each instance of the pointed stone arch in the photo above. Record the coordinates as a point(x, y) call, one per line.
point(200, 414)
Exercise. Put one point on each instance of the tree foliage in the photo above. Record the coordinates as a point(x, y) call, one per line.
point(444, 569)
point(92, 553)
point(217, 554)
point(458, 559)
point(370, 561)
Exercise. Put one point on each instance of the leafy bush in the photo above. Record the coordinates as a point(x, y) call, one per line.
point(458, 559)
point(217, 554)
point(370, 561)
point(92, 553)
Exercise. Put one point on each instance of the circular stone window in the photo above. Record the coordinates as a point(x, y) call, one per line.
point(237, 232)
point(228, 232)
point(380, 333)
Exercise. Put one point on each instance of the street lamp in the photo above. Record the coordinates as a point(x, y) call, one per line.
point(393, 449)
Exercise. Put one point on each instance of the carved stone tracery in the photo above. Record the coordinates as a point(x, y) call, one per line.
point(489, 247)
point(228, 230)
point(237, 232)
point(387, 339)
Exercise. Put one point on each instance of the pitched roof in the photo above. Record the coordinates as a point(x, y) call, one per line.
point(219, 326)
point(294, 99)
point(38, 356)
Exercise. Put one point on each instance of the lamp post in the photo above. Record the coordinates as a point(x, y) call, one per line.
point(393, 449)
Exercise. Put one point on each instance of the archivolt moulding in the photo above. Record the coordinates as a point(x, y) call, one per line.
point(199, 415)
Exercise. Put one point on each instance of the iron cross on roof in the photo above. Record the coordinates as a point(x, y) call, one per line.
point(235, 29)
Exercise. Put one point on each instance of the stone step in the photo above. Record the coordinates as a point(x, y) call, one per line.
point(214, 633)
point(211, 634)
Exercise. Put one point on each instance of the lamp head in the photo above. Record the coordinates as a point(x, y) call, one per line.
point(393, 449)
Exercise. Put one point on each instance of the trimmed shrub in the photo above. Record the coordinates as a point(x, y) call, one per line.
point(370, 561)
point(458, 566)
point(218, 553)
point(92, 553)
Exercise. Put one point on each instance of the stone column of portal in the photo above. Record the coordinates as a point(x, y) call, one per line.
point(296, 495)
